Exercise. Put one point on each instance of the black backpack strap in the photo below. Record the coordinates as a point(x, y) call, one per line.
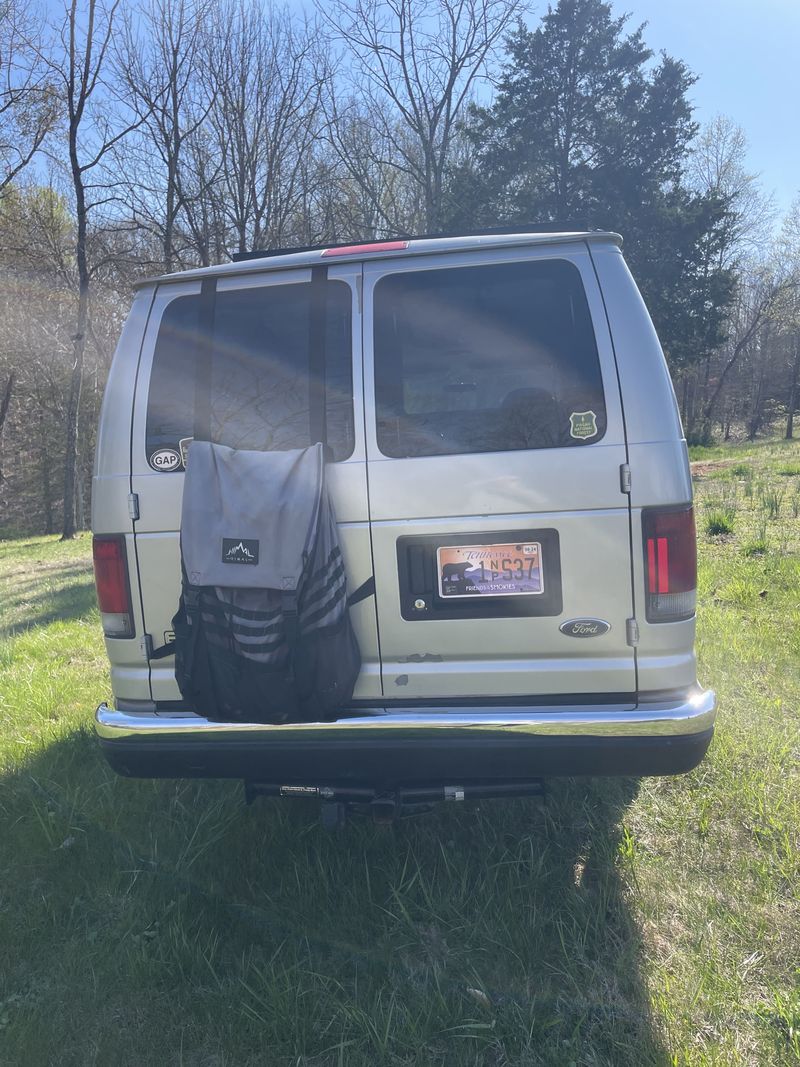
point(317, 330)
point(205, 350)
point(290, 621)
point(162, 653)
point(364, 590)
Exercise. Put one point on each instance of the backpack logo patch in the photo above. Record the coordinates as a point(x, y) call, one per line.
point(239, 550)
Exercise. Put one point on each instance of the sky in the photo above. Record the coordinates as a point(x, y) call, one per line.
point(747, 56)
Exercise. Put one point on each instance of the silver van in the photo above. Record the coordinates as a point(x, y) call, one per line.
point(512, 492)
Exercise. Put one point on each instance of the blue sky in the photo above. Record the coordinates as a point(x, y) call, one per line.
point(747, 54)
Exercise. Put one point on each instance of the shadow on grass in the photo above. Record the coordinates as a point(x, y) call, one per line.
point(34, 603)
point(162, 922)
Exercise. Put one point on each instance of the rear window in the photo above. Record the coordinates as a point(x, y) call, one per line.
point(260, 384)
point(486, 359)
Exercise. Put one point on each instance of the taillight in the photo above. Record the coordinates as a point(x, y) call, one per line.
point(113, 587)
point(670, 563)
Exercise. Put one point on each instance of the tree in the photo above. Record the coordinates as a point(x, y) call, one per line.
point(27, 106)
point(580, 125)
point(588, 129)
point(93, 128)
point(160, 62)
point(789, 243)
point(415, 64)
point(758, 300)
point(716, 167)
point(270, 72)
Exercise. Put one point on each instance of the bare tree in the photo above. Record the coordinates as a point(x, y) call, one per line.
point(717, 167)
point(269, 70)
point(378, 195)
point(415, 63)
point(160, 61)
point(760, 296)
point(789, 243)
point(95, 122)
point(27, 106)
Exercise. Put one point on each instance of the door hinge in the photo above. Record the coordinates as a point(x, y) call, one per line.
point(360, 293)
point(625, 477)
point(632, 632)
point(133, 505)
point(146, 646)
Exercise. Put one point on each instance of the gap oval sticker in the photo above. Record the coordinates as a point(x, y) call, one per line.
point(165, 459)
point(584, 627)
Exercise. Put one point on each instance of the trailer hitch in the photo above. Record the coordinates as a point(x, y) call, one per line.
point(387, 806)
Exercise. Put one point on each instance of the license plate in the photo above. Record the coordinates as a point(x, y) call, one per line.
point(490, 570)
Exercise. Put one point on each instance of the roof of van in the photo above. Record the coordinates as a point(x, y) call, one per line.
point(381, 249)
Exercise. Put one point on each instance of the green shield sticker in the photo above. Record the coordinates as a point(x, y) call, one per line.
point(582, 424)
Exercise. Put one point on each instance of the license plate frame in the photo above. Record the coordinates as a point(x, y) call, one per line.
point(478, 571)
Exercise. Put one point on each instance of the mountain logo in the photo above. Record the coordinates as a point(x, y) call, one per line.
point(239, 550)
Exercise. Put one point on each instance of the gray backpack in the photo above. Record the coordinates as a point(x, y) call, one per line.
point(263, 631)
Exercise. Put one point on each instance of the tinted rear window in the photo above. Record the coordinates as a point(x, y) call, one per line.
point(259, 370)
point(486, 359)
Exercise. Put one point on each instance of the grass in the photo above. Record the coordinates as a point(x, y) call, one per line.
point(622, 923)
point(719, 521)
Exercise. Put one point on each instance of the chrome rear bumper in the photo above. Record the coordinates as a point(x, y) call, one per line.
point(693, 713)
point(387, 747)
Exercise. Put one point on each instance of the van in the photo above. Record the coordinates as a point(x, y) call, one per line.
point(512, 491)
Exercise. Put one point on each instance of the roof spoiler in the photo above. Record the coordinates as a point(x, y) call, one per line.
point(493, 231)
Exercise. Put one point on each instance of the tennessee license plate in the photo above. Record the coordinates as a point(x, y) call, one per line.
point(490, 570)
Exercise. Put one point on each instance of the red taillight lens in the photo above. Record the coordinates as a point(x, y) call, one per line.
point(113, 587)
point(670, 562)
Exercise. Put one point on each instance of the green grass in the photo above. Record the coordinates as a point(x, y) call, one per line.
point(719, 521)
point(622, 923)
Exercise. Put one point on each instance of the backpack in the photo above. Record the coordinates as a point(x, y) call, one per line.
point(274, 643)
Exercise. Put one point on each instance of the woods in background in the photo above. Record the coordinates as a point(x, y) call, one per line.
point(143, 137)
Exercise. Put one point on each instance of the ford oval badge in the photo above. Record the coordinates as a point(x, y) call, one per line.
point(584, 627)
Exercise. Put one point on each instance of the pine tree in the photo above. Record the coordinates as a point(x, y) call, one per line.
point(587, 130)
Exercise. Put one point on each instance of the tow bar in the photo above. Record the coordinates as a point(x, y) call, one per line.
point(387, 806)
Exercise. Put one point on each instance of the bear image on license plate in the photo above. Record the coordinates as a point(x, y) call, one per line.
point(490, 570)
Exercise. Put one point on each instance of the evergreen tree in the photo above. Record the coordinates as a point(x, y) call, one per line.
point(587, 127)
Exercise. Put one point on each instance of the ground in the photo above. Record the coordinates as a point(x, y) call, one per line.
point(624, 922)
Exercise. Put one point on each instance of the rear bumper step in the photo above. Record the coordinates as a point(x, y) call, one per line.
point(390, 747)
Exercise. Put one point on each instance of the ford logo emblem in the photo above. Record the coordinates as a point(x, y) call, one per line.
point(584, 627)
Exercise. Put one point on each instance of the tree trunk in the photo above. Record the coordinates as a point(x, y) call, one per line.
point(792, 404)
point(73, 414)
point(47, 495)
point(79, 344)
point(80, 498)
point(4, 405)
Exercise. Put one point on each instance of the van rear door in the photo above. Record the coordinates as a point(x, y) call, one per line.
point(258, 397)
point(495, 442)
